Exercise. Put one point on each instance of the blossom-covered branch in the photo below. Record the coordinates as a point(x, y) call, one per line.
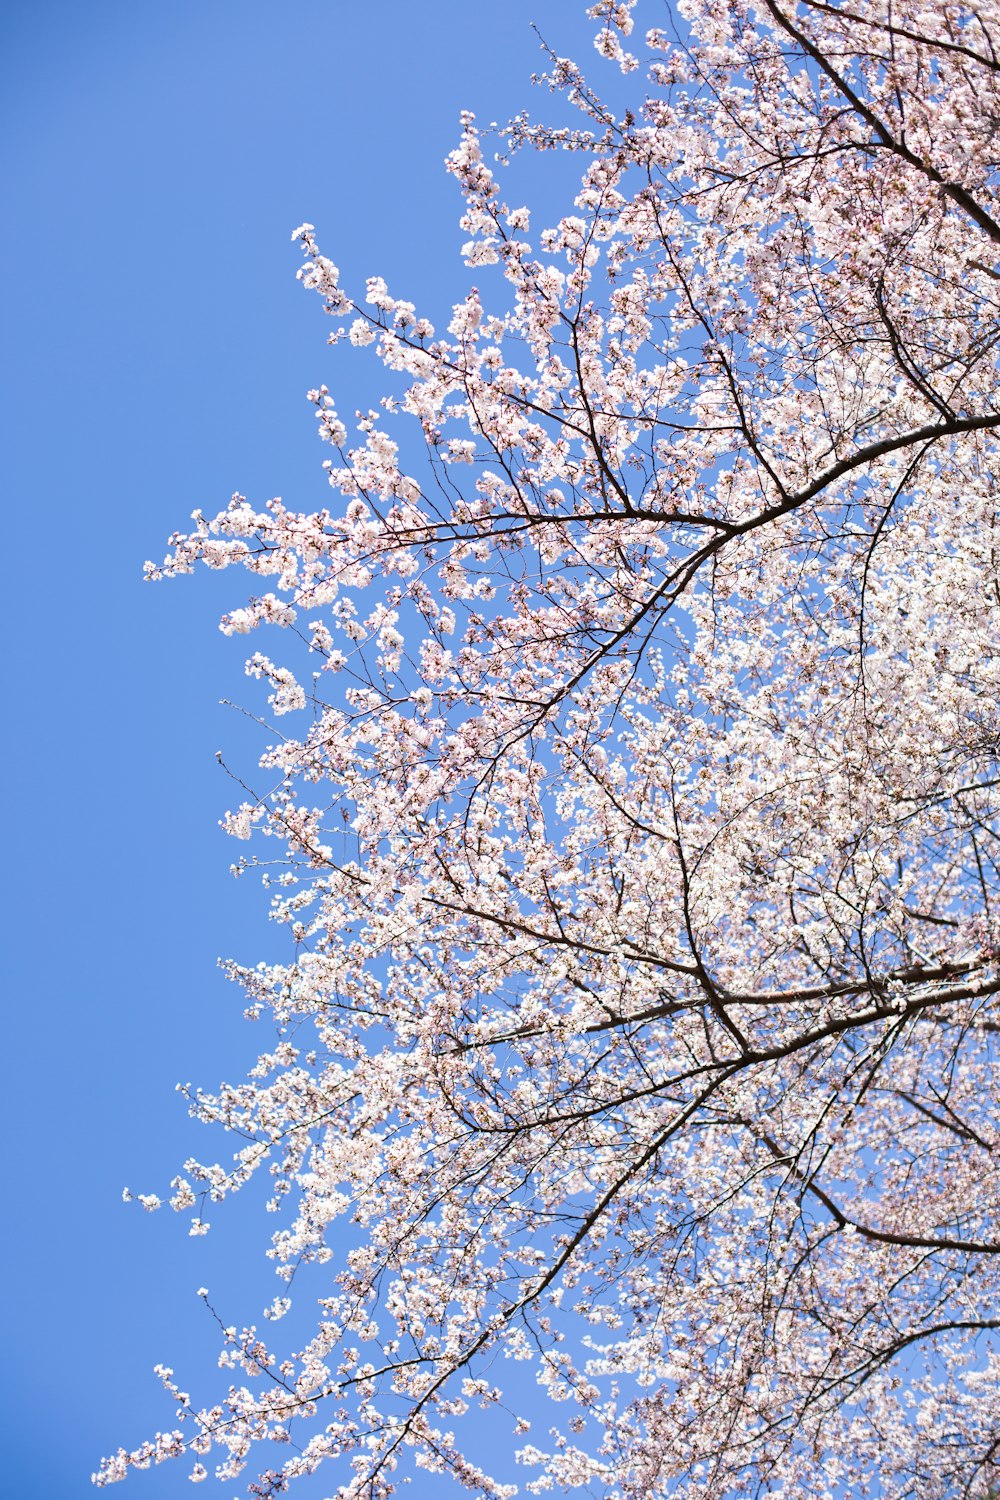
point(639, 846)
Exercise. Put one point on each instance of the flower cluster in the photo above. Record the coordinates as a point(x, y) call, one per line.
point(640, 844)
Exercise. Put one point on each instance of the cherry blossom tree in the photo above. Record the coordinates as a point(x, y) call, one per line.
point(635, 812)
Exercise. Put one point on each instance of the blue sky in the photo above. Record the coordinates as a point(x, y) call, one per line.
point(156, 158)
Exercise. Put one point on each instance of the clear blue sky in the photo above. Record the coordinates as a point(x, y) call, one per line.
point(156, 157)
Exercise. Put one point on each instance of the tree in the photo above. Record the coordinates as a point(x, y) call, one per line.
point(640, 850)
